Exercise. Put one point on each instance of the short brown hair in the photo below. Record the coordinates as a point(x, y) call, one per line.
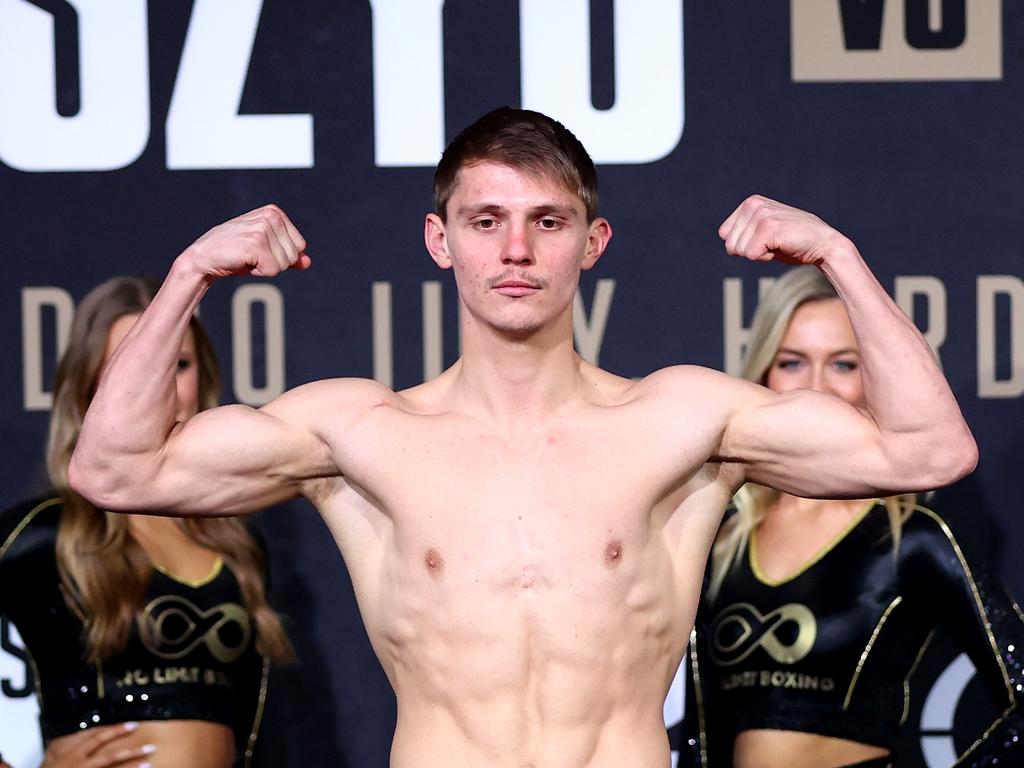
point(522, 139)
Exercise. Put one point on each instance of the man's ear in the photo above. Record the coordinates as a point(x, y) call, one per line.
point(597, 240)
point(436, 238)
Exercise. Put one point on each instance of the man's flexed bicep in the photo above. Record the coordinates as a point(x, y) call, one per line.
point(226, 460)
point(813, 444)
point(138, 451)
point(909, 433)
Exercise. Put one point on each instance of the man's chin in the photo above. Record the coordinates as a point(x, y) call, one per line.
point(521, 331)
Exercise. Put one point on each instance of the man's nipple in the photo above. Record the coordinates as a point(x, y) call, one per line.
point(613, 553)
point(434, 562)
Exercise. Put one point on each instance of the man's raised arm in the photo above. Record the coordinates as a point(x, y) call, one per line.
point(133, 455)
point(911, 436)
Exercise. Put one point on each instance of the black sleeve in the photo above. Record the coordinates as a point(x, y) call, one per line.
point(969, 600)
point(27, 536)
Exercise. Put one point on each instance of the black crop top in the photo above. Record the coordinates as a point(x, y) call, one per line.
point(831, 649)
point(201, 663)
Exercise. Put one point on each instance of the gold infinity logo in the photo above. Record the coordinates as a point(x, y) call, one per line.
point(175, 627)
point(740, 629)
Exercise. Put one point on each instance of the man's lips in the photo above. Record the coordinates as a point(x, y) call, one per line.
point(515, 287)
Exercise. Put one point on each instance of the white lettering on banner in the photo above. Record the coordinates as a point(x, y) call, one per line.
point(1000, 344)
point(111, 129)
point(408, 82)
point(735, 334)
point(33, 302)
point(588, 333)
point(269, 296)
point(934, 293)
point(989, 288)
point(19, 709)
point(643, 125)
point(383, 336)
point(433, 330)
point(646, 121)
point(991, 337)
point(204, 129)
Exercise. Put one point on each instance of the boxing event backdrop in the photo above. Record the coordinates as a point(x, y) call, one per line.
point(129, 128)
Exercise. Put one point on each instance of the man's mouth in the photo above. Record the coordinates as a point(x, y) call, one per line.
point(516, 288)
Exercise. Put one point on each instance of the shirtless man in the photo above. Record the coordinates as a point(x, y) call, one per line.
point(526, 533)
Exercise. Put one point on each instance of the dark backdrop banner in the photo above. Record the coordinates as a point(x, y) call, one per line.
point(128, 128)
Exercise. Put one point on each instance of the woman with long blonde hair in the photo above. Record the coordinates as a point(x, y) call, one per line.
point(150, 636)
point(817, 611)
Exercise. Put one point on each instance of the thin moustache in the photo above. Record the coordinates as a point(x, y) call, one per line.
point(504, 281)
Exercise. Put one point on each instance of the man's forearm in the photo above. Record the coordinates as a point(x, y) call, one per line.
point(905, 391)
point(129, 451)
point(133, 410)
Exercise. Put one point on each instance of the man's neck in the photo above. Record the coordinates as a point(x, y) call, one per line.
point(515, 380)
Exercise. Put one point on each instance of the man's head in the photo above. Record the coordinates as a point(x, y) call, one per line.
point(516, 221)
point(524, 140)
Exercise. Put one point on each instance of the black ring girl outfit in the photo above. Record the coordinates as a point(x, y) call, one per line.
point(197, 661)
point(830, 650)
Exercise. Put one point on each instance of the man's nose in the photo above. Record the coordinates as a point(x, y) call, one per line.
point(518, 249)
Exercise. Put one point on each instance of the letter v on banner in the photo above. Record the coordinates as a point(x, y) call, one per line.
point(891, 40)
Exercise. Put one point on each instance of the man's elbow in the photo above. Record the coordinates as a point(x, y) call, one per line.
point(97, 482)
point(951, 461)
point(965, 458)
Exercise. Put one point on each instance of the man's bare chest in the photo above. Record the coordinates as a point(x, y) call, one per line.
point(447, 515)
point(602, 467)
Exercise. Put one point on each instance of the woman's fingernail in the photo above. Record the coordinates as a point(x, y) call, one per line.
point(130, 726)
point(148, 749)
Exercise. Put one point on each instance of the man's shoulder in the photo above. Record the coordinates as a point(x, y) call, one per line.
point(342, 393)
point(345, 386)
point(689, 380)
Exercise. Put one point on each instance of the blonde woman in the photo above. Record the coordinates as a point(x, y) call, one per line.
point(150, 636)
point(817, 611)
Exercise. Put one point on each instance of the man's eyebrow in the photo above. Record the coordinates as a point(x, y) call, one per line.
point(471, 210)
point(559, 209)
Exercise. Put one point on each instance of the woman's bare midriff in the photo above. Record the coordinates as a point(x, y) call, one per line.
point(195, 743)
point(794, 749)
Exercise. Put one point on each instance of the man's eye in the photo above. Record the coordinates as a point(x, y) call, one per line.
point(549, 224)
point(484, 223)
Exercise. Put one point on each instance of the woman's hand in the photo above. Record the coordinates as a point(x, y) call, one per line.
point(92, 750)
